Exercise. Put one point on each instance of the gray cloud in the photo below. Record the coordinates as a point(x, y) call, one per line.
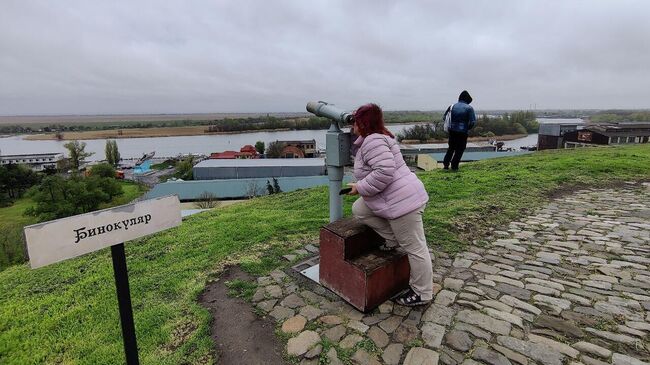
point(216, 56)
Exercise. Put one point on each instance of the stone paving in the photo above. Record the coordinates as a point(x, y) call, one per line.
point(569, 284)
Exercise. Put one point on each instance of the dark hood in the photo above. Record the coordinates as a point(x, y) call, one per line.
point(464, 96)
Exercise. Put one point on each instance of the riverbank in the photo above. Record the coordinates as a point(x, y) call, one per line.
point(507, 137)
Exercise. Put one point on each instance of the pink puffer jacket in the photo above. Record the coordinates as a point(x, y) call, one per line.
point(384, 181)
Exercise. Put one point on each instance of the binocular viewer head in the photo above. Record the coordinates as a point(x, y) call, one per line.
point(323, 109)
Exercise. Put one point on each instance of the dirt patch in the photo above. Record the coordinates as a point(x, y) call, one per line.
point(239, 335)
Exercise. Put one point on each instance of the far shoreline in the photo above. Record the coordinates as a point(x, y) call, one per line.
point(156, 132)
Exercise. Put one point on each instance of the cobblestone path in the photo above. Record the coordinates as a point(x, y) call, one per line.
point(569, 284)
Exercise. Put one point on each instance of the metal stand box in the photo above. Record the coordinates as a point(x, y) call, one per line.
point(352, 266)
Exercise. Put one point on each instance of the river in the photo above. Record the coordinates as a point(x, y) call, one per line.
point(172, 146)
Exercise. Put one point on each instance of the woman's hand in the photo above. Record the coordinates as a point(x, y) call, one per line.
point(354, 189)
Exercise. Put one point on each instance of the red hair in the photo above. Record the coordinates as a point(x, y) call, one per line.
point(370, 119)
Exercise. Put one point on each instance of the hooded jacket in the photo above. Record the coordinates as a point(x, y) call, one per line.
point(462, 114)
point(386, 184)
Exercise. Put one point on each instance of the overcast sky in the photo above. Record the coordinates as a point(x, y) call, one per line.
point(98, 57)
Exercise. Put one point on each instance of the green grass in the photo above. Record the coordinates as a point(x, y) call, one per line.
point(12, 221)
point(67, 312)
point(241, 289)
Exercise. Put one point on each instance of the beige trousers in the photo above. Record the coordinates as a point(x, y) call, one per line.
point(406, 231)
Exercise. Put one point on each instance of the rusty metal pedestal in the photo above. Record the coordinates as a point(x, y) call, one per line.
point(352, 266)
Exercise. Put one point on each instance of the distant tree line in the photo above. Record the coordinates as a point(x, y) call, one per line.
point(616, 116)
point(405, 117)
point(520, 122)
point(62, 127)
point(270, 122)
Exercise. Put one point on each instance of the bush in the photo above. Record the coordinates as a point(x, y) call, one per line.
point(519, 129)
point(56, 197)
point(103, 170)
point(15, 180)
point(184, 169)
point(521, 122)
point(421, 132)
point(259, 147)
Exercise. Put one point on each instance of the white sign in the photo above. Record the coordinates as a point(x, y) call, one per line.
point(74, 236)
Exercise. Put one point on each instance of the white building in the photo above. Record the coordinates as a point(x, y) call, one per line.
point(37, 161)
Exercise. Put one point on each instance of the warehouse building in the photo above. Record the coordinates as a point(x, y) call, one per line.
point(258, 168)
point(609, 134)
point(552, 135)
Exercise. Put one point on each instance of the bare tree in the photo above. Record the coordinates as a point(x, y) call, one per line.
point(207, 200)
point(253, 189)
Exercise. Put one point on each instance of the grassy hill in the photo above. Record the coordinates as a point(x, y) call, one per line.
point(67, 312)
point(12, 221)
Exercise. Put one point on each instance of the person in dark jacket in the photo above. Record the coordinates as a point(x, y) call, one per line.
point(462, 120)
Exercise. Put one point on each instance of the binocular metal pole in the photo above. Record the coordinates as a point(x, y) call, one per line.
point(334, 173)
point(337, 147)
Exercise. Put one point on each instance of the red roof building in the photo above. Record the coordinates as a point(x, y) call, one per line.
point(247, 151)
point(250, 149)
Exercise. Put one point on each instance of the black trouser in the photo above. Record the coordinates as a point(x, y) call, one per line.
point(457, 144)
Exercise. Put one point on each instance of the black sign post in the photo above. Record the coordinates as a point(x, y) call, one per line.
point(124, 302)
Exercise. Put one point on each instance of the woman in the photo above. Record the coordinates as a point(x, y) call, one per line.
point(392, 199)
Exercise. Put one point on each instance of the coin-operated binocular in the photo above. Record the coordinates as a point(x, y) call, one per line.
point(337, 150)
